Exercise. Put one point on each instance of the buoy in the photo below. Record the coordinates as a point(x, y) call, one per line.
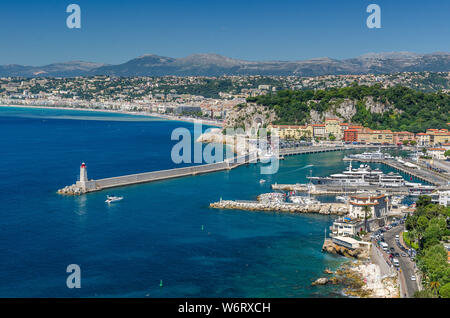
point(160, 283)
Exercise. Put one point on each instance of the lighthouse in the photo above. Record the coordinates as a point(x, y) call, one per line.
point(83, 173)
point(84, 184)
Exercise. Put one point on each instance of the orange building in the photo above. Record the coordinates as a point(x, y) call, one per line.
point(401, 136)
point(351, 135)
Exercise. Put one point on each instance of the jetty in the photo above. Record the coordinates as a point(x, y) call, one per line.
point(84, 185)
point(320, 208)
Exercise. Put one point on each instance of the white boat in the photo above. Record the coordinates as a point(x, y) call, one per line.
point(110, 199)
point(362, 176)
point(377, 155)
point(262, 181)
point(303, 200)
point(342, 198)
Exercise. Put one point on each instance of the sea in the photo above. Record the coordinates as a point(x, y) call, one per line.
point(162, 239)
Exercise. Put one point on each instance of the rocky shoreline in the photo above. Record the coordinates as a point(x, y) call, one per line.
point(360, 279)
point(330, 247)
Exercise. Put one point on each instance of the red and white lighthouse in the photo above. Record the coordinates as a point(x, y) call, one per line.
point(83, 173)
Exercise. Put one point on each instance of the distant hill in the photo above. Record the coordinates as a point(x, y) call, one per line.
point(217, 65)
point(66, 69)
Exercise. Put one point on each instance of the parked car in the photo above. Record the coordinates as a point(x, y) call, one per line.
point(413, 277)
point(404, 255)
point(397, 237)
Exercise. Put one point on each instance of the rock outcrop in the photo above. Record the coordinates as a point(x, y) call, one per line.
point(331, 247)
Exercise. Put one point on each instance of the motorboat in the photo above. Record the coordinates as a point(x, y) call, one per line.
point(111, 199)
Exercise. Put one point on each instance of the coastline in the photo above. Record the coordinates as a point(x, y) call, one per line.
point(145, 114)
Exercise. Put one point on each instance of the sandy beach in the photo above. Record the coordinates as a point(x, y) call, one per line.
point(146, 114)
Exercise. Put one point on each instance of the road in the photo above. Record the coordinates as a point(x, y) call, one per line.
point(406, 265)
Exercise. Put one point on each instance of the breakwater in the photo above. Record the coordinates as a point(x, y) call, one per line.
point(320, 208)
point(82, 187)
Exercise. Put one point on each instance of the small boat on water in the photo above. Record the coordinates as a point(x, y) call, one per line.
point(342, 198)
point(262, 181)
point(110, 199)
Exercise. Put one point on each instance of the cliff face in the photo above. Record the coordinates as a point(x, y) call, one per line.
point(250, 116)
point(344, 109)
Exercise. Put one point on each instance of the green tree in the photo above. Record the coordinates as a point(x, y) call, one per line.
point(444, 291)
point(366, 209)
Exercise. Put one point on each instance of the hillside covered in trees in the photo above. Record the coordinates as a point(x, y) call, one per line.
point(396, 108)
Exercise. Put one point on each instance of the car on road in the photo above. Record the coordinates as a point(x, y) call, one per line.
point(392, 249)
point(395, 262)
point(413, 278)
point(404, 255)
point(396, 254)
point(397, 237)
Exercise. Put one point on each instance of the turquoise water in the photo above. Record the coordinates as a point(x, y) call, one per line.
point(155, 233)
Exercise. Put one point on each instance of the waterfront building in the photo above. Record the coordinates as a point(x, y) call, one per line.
point(444, 198)
point(438, 136)
point(343, 127)
point(350, 243)
point(291, 131)
point(346, 227)
point(369, 136)
point(351, 135)
point(401, 136)
point(437, 153)
point(183, 109)
point(319, 131)
point(378, 203)
point(423, 139)
point(332, 127)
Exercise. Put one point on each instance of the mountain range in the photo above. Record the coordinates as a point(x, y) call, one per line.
point(216, 65)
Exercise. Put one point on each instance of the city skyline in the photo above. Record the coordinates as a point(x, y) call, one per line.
point(113, 33)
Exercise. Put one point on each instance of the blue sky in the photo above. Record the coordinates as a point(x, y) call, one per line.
point(35, 32)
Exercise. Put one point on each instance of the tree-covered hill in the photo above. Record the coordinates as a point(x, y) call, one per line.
point(398, 108)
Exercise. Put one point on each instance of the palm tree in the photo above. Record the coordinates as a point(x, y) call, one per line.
point(366, 209)
point(435, 286)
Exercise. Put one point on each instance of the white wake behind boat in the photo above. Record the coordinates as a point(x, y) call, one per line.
point(110, 199)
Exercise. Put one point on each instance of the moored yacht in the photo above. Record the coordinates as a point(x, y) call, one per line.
point(362, 176)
